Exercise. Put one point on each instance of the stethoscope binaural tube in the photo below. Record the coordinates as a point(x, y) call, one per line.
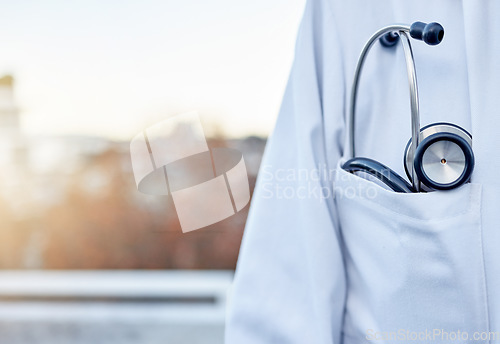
point(432, 34)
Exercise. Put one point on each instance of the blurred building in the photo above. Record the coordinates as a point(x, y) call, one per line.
point(10, 139)
point(9, 113)
point(70, 202)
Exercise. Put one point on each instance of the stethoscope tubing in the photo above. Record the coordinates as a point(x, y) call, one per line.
point(402, 31)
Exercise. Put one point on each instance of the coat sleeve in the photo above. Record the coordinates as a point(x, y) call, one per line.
point(289, 284)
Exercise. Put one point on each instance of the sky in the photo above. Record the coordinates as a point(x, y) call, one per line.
point(112, 68)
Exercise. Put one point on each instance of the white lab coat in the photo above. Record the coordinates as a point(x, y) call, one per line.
point(316, 270)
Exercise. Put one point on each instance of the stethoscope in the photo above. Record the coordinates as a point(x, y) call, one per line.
point(438, 156)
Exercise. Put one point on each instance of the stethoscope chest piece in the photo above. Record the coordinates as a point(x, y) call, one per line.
point(443, 159)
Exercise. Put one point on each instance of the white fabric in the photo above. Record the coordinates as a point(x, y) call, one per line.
point(316, 269)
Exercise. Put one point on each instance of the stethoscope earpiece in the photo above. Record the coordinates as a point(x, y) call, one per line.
point(432, 33)
point(438, 156)
point(390, 39)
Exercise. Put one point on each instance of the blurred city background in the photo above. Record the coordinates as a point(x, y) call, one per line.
point(85, 257)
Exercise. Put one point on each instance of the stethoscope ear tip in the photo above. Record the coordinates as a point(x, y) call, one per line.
point(390, 39)
point(432, 33)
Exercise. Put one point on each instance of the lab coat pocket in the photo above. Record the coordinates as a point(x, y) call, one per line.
point(414, 262)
